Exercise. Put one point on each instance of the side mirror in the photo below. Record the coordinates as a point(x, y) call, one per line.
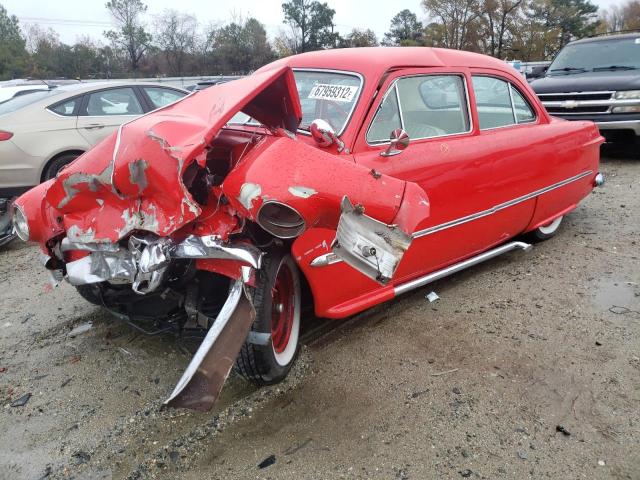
point(324, 134)
point(399, 140)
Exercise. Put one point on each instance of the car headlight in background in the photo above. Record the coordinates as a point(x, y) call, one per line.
point(20, 223)
point(628, 109)
point(628, 95)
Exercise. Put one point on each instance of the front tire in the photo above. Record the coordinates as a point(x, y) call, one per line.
point(277, 300)
point(546, 231)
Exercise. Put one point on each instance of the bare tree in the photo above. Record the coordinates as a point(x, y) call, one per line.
point(621, 17)
point(499, 16)
point(131, 35)
point(457, 17)
point(175, 35)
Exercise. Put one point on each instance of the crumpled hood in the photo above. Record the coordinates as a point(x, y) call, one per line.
point(134, 177)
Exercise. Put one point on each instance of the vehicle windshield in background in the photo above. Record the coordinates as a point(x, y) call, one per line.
point(602, 55)
point(329, 96)
point(16, 103)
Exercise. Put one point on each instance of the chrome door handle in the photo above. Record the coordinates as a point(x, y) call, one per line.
point(93, 126)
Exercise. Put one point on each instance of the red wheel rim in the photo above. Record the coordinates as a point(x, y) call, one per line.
point(282, 309)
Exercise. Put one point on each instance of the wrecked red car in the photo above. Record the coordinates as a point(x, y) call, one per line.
point(356, 175)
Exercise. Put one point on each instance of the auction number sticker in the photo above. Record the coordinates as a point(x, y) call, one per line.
point(337, 93)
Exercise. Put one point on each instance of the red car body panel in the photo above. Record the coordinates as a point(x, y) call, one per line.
point(436, 181)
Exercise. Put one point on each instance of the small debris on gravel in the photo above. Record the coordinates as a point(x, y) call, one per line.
point(80, 329)
point(601, 463)
point(267, 462)
point(598, 344)
point(522, 454)
point(456, 390)
point(432, 297)
point(561, 429)
point(22, 401)
point(465, 473)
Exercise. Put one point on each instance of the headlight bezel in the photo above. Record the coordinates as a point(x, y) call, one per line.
point(627, 95)
point(20, 223)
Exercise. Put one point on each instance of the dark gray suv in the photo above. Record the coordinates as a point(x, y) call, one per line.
point(597, 79)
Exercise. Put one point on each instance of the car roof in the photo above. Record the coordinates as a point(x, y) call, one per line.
point(372, 60)
point(84, 87)
point(604, 38)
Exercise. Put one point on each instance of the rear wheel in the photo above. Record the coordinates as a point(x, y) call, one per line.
point(57, 163)
point(546, 231)
point(272, 347)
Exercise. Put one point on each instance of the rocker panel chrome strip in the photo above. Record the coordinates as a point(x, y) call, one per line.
point(457, 267)
point(496, 208)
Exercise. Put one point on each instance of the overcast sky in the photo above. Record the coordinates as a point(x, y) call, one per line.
point(73, 18)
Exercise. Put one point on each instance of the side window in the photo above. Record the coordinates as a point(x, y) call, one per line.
point(387, 118)
point(433, 105)
point(162, 96)
point(429, 106)
point(65, 108)
point(493, 102)
point(524, 112)
point(116, 101)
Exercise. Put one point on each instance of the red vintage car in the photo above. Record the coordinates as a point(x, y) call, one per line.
point(356, 175)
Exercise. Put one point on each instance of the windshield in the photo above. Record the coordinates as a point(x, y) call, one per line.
point(329, 96)
point(21, 101)
point(614, 54)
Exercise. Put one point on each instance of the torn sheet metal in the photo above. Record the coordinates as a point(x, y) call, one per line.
point(146, 259)
point(202, 381)
point(369, 246)
point(210, 246)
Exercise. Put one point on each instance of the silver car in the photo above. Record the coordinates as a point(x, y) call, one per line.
point(45, 130)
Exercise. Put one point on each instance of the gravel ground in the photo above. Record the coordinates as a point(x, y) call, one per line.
point(527, 367)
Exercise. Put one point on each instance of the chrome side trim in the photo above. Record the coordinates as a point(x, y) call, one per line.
point(325, 259)
point(445, 272)
point(496, 208)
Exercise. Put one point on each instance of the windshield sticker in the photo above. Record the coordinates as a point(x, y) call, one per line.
point(337, 93)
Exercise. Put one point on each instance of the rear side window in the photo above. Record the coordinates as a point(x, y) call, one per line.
point(116, 101)
point(65, 108)
point(524, 112)
point(500, 104)
point(162, 96)
point(16, 103)
point(425, 106)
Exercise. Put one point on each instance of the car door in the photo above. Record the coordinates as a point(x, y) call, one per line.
point(522, 149)
point(433, 107)
point(103, 111)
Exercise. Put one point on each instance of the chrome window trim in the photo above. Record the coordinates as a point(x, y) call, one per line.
point(394, 85)
point(511, 125)
point(497, 208)
point(355, 103)
point(513, 105)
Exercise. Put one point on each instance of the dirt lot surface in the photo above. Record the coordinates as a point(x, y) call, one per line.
point(475, 385)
